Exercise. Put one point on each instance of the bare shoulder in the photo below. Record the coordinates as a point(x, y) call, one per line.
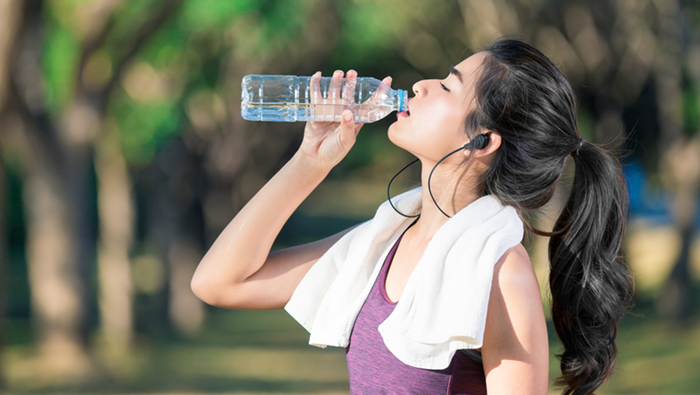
point(515, 270)
point(515, 292)
point(515, 337)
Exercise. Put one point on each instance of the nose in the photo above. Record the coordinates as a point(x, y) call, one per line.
point(419, 88)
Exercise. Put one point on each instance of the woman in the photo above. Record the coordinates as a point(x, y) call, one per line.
point(407, 294)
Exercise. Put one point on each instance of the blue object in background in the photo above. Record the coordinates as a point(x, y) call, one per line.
point(650, 204)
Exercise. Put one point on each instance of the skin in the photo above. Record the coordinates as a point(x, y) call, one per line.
point(240, 272)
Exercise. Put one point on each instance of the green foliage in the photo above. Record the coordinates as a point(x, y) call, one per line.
point(586, 123)
point(190, 52)
point(367, 31)
point(128, 17)
point(145, 126)
point(283, 22)
point(691, 108)
point(59, 64)
point(370, 26)
point(207, 15)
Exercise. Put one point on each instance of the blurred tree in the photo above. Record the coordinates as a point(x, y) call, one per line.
point(56, 267)
point(109, 80)
point(3, 277)
point(678, 76)
point(10, 18)
point(63, 121)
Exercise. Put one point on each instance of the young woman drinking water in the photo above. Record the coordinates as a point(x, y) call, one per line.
point(436, 294)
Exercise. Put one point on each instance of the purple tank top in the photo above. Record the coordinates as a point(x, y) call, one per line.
point(373, 369)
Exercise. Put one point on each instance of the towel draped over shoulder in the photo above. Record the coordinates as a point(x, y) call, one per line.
point(443, 305)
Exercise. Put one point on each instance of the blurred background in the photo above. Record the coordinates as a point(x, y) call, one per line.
point(123, 155)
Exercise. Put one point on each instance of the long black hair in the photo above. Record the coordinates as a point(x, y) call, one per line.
point(524, 98)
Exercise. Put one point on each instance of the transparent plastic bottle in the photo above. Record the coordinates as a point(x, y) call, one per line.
point(288, 98)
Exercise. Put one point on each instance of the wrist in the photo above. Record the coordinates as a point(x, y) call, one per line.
point(310, 166)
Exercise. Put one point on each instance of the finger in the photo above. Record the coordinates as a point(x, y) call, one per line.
point(347, 129)
point(315, 88)
point(387, 81)
point(336, 83)
point(349, 87)
point(381, 92)
point(383, 89)
point(316, 110)
point(333, 96)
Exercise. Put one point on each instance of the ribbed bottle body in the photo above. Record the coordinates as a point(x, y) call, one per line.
point(283, 98)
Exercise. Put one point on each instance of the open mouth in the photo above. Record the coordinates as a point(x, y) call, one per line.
point(406, 112)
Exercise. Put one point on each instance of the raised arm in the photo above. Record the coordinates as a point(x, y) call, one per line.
point(238, 271)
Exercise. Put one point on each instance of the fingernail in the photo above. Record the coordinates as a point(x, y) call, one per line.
point(347, 116)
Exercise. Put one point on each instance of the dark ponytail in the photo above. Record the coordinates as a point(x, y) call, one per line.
point(590, 285)
point(524, 98)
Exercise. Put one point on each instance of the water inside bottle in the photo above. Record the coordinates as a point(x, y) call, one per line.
point(290, 112)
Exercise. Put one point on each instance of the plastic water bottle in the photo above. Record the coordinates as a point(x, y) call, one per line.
point(288, 98)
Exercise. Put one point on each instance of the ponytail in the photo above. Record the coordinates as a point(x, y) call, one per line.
point(590, 284)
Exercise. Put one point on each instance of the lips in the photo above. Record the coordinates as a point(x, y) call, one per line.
point(407, 112)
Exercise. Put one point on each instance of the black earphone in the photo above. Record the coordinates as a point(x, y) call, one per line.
point(479, 142)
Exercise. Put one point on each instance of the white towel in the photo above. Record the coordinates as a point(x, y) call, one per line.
point(443, 306)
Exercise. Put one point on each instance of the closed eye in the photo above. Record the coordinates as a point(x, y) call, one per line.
point(444, 87)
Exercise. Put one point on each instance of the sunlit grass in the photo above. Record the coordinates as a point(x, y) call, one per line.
point(266, 352)
point(238, 352)
point(243, 352)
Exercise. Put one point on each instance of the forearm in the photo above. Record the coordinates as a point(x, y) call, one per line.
point(242, 248)
point(226, 275)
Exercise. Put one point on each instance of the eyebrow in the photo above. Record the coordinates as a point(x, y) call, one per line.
point(457, 73)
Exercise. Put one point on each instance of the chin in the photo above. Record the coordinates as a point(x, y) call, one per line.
point(400, 142)
point(392, 134)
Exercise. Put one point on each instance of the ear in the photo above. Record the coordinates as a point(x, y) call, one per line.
point(491, 147)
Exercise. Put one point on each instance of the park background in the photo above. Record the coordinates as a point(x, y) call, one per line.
point(123, 155)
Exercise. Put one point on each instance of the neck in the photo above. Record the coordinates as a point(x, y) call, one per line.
point(452, 193)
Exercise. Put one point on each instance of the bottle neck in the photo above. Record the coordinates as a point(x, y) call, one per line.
point(400, 100)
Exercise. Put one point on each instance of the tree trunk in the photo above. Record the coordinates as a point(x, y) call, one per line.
point(10, 19)
point(56, 263)
point(185, 310)
point(173, 229)
point(3, 248)
point(57, 292)
point(116, 217)
point(682, 169)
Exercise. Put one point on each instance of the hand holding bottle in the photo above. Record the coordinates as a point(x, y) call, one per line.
point(329, 142)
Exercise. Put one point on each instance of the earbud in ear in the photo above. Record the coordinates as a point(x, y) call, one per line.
point(479, 142)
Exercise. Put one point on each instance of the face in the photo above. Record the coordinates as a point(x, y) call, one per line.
point(434, 123)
